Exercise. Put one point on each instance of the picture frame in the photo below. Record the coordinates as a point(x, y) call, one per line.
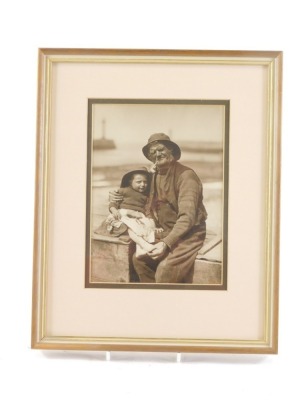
point(238, 313)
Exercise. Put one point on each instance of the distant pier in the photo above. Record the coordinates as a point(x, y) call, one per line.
point(103, 143)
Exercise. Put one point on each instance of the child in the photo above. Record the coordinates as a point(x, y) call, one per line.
point(134, 189)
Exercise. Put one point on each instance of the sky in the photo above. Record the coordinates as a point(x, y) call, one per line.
point(136, 122)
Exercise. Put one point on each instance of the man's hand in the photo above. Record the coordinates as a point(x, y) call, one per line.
point(159, 249)
point(115, 197)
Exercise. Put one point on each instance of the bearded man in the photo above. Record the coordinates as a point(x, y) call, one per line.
point(176, 205)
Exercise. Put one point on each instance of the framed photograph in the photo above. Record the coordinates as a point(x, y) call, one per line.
point(157, 201)
point(200, 129)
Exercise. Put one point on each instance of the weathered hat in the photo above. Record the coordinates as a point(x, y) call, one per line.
point(126, 178)
point(162, 138)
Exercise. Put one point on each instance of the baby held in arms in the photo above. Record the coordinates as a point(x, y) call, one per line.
point(130, 210)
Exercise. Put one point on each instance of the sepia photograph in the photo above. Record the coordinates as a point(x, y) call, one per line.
point(156, 193)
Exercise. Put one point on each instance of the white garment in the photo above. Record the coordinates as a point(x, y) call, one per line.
point(143, 227)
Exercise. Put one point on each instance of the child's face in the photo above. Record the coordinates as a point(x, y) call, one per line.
point(139, 183)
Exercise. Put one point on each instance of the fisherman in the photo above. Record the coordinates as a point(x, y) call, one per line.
point(176, 205)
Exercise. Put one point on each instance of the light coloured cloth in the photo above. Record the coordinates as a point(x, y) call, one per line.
point(143, 227)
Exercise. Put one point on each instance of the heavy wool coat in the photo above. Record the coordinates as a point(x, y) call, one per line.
point(176, 204)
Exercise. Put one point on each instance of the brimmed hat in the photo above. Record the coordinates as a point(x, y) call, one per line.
point(162, 138)
point(126, 178)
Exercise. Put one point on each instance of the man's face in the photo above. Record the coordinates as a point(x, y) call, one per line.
point(139, 183)
point(160, 155)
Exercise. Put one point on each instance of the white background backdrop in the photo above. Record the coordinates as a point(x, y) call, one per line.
point(240, 25)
